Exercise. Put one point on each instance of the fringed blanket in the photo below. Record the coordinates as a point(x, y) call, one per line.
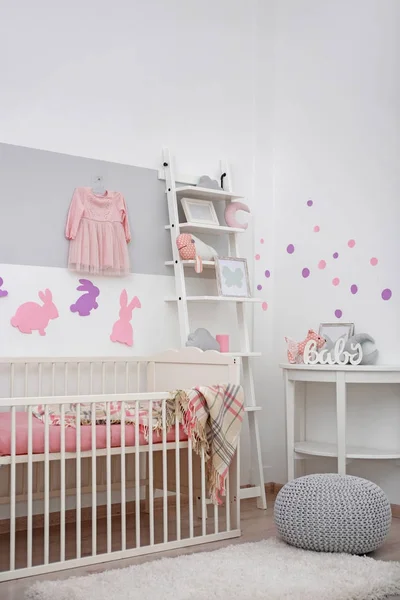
point(211, 417)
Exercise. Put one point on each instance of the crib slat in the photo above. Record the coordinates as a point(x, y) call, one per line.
point(62, 486)
point(203, 494)
point(216, 518)
point(123, 497)
point(151, 483)
point(228, 503)
point(94, 481)
point(190, 484)
point(46, 485)
point(108, 469)
point(165, 469)
point(12, 490)
point(78, 480)
point(30, 495)
point(137, 475)
point(177, 479)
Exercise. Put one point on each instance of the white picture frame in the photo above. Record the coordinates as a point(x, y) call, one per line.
point(199, 211)
point(336, 330)
point(232, 277)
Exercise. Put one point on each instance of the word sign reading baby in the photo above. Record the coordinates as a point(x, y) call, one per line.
point(336, 356)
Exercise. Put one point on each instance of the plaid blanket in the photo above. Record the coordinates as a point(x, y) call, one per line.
point(211, 416)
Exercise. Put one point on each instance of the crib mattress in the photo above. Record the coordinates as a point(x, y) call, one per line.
point(38, 428)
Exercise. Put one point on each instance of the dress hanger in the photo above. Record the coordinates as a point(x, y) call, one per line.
point(98, 186)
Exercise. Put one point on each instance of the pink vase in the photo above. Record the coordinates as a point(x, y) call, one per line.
point(223, 341)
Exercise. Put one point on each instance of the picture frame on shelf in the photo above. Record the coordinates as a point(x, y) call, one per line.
point(201, 212)
point(232, 277)
point(336, 330)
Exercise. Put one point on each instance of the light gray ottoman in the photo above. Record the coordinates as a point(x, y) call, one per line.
point(333, 513)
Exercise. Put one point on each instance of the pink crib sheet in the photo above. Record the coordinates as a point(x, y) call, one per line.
point(21, 421)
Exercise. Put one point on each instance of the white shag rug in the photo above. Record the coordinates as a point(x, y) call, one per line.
point(269, 569)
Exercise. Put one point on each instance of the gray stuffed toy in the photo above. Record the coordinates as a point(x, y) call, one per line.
point(365, 341)
point(203, 339)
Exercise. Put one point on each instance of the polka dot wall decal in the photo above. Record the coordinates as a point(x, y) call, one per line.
point(351, 243)
point(264, 306)
point(267, 274)
point(386, 294)
point(322, 264)
point(262, 241)
point(259, 287)
point(257, 257)
point(335, 281)
point(290, 249)
point(317, 229)
point(338, 313)
point(354, 289)
point(305, 272)
point(373, 261)
point(309, 203)
point(335, 255)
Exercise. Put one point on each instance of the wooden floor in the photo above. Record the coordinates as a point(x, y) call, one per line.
point(256, 525)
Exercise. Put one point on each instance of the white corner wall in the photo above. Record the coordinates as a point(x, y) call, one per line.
point(328, 122)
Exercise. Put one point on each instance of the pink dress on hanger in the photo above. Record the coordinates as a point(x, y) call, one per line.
point(98, 230)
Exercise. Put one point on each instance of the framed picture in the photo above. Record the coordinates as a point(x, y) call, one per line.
point(199, 211)
point(232, 277)
point(336, 330)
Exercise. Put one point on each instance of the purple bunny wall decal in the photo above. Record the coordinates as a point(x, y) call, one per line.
point(87, 302)
point(3, 293)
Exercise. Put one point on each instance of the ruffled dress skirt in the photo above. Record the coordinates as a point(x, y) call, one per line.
point(99, 248)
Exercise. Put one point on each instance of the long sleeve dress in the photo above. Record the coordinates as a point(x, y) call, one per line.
point(98, 230)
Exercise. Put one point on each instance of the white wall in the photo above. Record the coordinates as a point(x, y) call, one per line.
point(334, 138)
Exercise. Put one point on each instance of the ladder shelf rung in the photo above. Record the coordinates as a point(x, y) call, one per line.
point(216, 299)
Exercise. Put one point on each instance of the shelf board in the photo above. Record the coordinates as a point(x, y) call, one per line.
point(243, 354)
point(215, 299)
point(210, 229)
point(207, 264)
point(189, 191)
point(330, 450)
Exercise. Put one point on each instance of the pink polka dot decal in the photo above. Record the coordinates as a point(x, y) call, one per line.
point(267, 274)
point(259, 287)
point(310, 202)
point(338, 313)
point(351, 243)
point(373, 261)
point(317, 229)
point(354, 289)
point(335, 255)
point(305, 272)
point(262, 241)
point(335, 281)
point(322, 264)
point(290, 249)
point(257, 257)
point(386, 294)
point(264, 306)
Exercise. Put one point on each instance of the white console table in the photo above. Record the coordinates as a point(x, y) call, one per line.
point(341, 376)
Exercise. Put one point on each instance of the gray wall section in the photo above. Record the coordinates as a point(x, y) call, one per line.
point(36, 190)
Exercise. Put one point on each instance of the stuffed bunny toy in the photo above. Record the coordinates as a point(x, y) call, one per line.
point(122, 331)
point(31, 316)
point(86, 302)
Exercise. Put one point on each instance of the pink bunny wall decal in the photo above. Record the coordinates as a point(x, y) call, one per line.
point(32, 316)
point(122, 331)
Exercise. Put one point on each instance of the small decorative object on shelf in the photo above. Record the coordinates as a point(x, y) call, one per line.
point(295, 351)
point(230, 214)
point(337, 356)
point(191, 248)
point(202, 339)
point(199, 211)
point(333, 331)
point(206, 182)
point(369, 352)
point(3, 293)
point(223, 341)
point(232, 277)
point(87, 302)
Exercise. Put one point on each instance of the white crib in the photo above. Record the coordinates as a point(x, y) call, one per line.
point(103, 499)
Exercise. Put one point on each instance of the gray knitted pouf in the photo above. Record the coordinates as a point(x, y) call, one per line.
point(333, 513)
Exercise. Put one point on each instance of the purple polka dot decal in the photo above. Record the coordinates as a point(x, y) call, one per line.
point(290, 249)
point(267, 274)
point(335, 255)
point(310, 202)
point(354, 289)
point(386, 294)
point(338, 313)
point(305, 272)
point(259, 287)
